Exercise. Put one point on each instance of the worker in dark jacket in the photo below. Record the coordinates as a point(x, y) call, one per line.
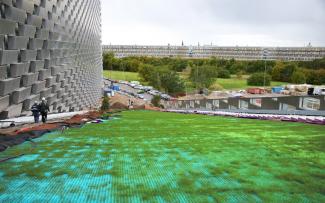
point(35, 110)
point(44, 109)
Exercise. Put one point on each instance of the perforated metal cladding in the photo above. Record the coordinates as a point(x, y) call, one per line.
point(51, 49)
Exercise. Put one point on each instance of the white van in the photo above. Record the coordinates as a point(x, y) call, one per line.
point(135, 82)
point(319, 91)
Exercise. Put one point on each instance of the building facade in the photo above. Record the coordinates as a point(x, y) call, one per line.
point(238, 53)
point(280, 104)
point(51, 49)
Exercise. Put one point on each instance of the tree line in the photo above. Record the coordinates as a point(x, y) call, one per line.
point(163, 73)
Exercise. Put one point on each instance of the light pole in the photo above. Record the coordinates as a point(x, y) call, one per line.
point(265, 55)
point(197, 77)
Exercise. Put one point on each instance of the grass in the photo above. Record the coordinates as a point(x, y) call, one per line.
point(156, 157)
point(120, 75)
point(232, 83)
point(235, 84)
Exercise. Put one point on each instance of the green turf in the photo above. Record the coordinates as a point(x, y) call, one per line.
point(234, 83)
point(120, 75)
point(166, 157)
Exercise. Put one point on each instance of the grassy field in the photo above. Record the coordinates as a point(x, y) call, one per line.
point(234, 83)
point(120, 75)
point(164, 157)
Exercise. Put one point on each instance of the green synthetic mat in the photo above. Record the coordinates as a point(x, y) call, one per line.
point(166, 157)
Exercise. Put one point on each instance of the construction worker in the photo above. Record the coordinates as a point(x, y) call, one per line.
point(44, 109)
point(36, 111)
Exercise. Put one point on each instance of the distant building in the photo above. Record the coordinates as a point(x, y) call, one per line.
point(238, 53)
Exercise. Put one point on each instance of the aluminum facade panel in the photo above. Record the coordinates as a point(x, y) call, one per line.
point(47, 47)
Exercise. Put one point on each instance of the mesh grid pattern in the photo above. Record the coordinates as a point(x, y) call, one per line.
point(51, 49)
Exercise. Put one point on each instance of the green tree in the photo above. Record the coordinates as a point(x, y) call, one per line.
point(221, 62)
point(313, 65)
point(315, 77)
point(170, 81)
point(257, 79)
point(283, 71)
point(108, 60)
point(259, 66)
point(162, 78)
point(223, 73)
point(203, 76)
point(276, 71)
point(229, 64)
point(146, 72)
point(236, 67)
point(298, 77)
point(287, 71)
point(198, 62)
point(178, 64)
point(213, 61)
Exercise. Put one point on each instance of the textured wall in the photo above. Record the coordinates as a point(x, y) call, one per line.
point(52, 49)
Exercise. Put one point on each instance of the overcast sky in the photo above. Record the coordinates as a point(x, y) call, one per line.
point(220, 22)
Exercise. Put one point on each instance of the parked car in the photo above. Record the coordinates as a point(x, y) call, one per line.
point(140, 96)
point(165, 96)
point(135, 82)
point(124, 82)
point(139, 87)
point(147, 88)
point(154, 92)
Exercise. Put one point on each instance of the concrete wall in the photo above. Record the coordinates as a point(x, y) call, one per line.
point(286, 103)
point(49, 49)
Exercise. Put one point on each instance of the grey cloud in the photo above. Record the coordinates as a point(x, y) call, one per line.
point(286, 22)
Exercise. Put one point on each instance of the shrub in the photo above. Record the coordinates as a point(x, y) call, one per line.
point(105, 104)
point(156, 100)
point(239, 75)
point(257, 79)
point(223, 73)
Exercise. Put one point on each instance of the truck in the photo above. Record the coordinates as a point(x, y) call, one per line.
point(256, 91)
point(318, 90)
point(109, 92)
point(116, 88)
point(277, 90)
